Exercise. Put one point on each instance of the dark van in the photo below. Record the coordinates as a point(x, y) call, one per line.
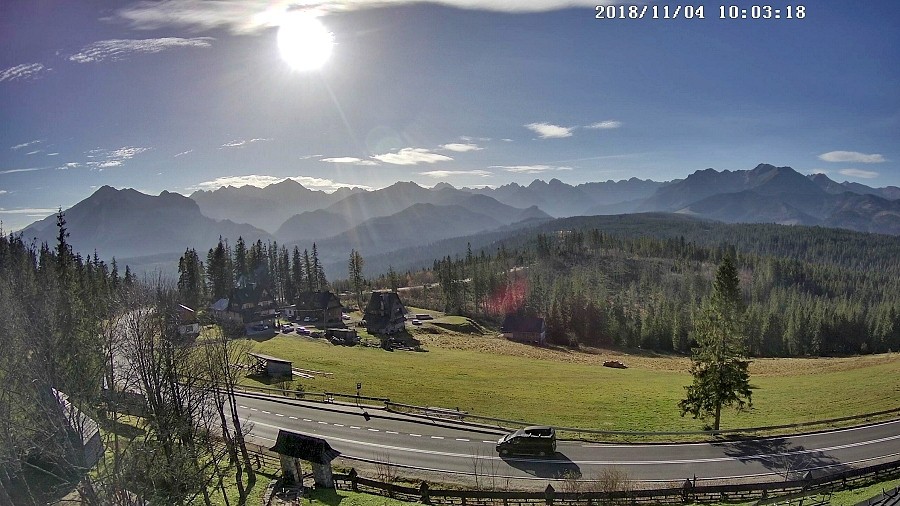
point(537, 440)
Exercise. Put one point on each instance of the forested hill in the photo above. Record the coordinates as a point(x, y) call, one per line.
point(635, 281)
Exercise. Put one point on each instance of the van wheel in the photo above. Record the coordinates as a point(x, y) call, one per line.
point(542, 454)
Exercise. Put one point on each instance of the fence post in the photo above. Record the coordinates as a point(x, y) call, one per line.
point(549, 494)
point(423, 493)
point(353, 475)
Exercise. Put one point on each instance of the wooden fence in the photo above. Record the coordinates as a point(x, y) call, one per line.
point(815, 488)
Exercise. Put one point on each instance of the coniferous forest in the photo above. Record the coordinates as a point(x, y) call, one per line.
point(636, 281)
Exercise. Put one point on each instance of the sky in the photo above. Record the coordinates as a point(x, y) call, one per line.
point(182, 95)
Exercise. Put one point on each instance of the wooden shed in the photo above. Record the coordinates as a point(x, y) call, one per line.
point(267, 365)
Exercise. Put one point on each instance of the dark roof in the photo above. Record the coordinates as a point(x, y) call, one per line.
point(301, 446)
point(318, 301)
point(268, 358)
point(520, 323)
point(385, 305)
point(252, 293)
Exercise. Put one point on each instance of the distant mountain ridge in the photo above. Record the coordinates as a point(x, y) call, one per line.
point(128, 223)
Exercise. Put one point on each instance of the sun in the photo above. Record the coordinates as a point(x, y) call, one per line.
point(304, 42)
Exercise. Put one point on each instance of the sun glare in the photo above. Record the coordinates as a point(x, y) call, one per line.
point(304, 42)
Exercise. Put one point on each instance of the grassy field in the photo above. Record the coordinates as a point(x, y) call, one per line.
point(478, 372)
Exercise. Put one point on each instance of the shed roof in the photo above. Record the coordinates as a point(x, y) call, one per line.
point(520, 323)
point(268, 358)
point(319, 301)
point(301, 446)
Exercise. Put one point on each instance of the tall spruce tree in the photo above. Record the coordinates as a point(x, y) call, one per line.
point(355, 267)
point(719, 363)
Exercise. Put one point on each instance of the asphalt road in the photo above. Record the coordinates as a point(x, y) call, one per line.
point(449, 447)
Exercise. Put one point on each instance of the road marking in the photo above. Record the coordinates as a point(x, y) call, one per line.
point(461, 439)
point(245, 407)
point(607, 463)
point(416, 435)
point(307, 420)
point(253, 409)
point(323, 423)
point(278, 414)
point(437, 437)
point(292, 417)
point(354, 427)
point(488, 441)
point(266, 412)
point(391, 432)
point(338, 424)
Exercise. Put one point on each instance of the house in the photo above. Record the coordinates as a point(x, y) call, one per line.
point(252, 305)
point(322, 308)
point(524, 329)
point(187, 321)
point(385, 313)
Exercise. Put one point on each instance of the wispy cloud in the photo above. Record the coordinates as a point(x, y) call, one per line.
point(183, 153)
point(851, 156)
point(106, 159)
point(2, 192)
point(248, 16)
point(36, 151)
point(237, 143)
point(412, 156)
point(605, 125)
point(22, 72)
point(69, 165)
point(865, 174)
point(351, 160)
point(548, 131)
point(30, 169)
point(52, 154)
point(309, 157)
point(440, 174)
point(120, 49)
point(26, 144)
point(261, 181)
point(30, 211)
point(529, 169)
point(462, 148)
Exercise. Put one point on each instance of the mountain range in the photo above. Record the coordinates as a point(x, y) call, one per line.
point(126, 223)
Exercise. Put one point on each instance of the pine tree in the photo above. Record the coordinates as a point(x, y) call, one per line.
point(355, 267)
point(719, 364)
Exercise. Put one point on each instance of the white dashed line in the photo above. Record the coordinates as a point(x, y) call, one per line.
point(338, 425)
point(416, 435)
point(278, 414)
point(437, 437)
point(461, 439)
point(307, 420)
point(253, 409)
point(354, 427)
point(292, 417)
point(243, 407)
point(391, 432)
point(488, 441)
point(374, 430)
point(323, 423)
point(267, 412)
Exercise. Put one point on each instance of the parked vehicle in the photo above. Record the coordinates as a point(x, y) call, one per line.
point(285, 329)
point(535, 440)
point(416, 322)
point(303, 330)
